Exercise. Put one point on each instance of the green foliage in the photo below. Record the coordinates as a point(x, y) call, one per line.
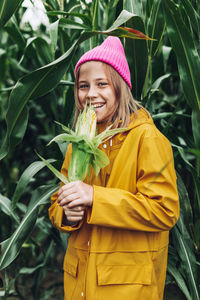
point(7, 9)
point(36, 88)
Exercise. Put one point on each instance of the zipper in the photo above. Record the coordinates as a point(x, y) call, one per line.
point(86, 271)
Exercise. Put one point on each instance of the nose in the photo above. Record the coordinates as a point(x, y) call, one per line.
point(92, 92)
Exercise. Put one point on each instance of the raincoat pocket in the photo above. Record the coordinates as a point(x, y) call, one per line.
point(124, 274)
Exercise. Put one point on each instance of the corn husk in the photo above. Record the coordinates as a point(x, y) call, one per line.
point(85, 143)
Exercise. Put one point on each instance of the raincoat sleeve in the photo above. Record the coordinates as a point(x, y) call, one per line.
point(154, 206)
point(56, 214)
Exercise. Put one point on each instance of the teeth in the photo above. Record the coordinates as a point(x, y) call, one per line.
point(97, 105)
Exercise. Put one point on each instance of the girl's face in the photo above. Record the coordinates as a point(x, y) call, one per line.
point(95, 87)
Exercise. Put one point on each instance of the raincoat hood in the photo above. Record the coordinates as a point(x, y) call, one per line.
point(138, 118)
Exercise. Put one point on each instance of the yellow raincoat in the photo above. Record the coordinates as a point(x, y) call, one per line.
point(119, 251)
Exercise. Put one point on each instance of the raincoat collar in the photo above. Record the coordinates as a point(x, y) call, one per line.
point(138, 118)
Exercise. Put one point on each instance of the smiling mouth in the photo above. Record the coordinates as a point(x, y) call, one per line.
point(98, 105)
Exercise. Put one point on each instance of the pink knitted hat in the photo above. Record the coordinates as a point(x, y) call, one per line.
point(111, 51)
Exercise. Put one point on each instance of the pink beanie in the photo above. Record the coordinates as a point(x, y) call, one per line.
point(111, 51)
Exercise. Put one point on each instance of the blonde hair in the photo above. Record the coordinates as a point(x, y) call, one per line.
point(126, 104)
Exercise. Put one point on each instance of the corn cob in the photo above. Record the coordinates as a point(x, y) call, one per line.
point(85, 143)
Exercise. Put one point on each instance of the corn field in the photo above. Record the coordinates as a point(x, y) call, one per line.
point(37, 61)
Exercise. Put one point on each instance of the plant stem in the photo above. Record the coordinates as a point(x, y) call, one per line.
point(61, 5)
point(64, 77)
point(146, 82)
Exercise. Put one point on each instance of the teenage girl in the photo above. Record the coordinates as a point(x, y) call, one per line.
point(118, 244)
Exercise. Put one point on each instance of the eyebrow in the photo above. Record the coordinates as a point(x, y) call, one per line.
point(104, 78)
point(97, 79)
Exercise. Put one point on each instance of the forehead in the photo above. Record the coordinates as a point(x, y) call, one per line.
point(94, 69)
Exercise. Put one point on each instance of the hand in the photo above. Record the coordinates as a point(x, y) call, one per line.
point(75, 214)
point(76, 193)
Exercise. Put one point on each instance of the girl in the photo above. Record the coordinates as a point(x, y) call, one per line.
point(120, 221)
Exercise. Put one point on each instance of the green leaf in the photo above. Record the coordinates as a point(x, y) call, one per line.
point(137, 56)
point(28, 271)
point(187, 56)
point(182, 153)
point(53, 31)
point(122, 18)
point(95, 15)
point(100, 160)
point(41, 47)
point(25, 178)
point(5, 206)
point(188, 260)
point(54, 170)
point(196, 131)
point(14, 32)
point(7, 9)
point(156, 27)
point(164, 115)
point(14, 134)
point(38, 48)
point(134, 6)
point(185, 205)
point(65, 128)
point(65, 137)
point(95, 22)
point(196, 127)
point(194, 151)
point(196, 180)
point(156, 85)
point(197, 234)
point(86, 20)
point(172, 269)
point(3, 64)
point(192, 15)
point(136, 51)
point(16, 66)
point(66, 82)
point(71, 24)
point(12, 246)
point(127, 32)
point(166, 53)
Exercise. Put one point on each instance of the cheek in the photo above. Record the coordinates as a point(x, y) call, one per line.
point(112, 102)
point(81, 97)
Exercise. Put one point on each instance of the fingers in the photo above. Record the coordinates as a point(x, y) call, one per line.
point(65, 199)
point(67, 189)
point(78, 208)
point(75, 194)
point(66, 193)
point(73, 204)
point(74, 215)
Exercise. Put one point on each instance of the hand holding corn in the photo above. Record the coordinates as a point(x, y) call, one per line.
point(74, 197)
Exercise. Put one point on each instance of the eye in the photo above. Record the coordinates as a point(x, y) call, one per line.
point(83, 86)
point(104, 83)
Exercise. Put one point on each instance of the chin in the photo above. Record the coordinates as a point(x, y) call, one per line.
point(102, 121)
